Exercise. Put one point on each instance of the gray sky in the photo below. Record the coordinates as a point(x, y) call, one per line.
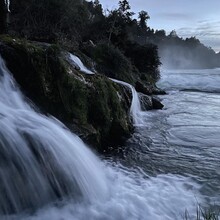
point(200, 18)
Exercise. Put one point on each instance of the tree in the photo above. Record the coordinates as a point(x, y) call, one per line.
point(120, 19)
point(161, 34)
point(113, 28)
point(173, 34)
point(124, 10)
point(143, 16)
point(4, 9)
point(49, 19)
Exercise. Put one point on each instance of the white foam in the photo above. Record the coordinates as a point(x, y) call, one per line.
point(132, 197)
point(109, 191)
point(207, 80)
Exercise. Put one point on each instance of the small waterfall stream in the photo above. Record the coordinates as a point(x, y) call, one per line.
point(135, 110)
point(79, 63)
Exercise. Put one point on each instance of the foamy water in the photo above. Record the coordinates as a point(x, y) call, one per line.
point(132, 196)
point(206, 80)
point(48, 173)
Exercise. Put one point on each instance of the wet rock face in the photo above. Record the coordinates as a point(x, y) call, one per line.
point(91, 105)
point(156, 103)
point(146, 102)
point(146, 92)
point(140, 87)
point(148, 89)
point(149, 102)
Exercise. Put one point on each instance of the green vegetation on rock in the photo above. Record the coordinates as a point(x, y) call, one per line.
point(40, 34)
point(91, 105)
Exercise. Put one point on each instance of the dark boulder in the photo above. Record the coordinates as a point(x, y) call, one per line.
point(140, 87)
point(158, 91)
point(156, 103)
point(148, 89)
point(146, 102)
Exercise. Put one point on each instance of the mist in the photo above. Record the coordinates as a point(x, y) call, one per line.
point(176, 56)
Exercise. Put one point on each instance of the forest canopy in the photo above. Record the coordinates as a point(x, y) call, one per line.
point(72, 23)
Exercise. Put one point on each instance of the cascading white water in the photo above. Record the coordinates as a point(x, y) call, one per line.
point(79, 63)
point(7, 3)
point(40, 160)
point(135, 109)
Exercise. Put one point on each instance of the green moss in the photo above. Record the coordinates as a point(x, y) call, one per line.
point(74, 96)
point(106, 110)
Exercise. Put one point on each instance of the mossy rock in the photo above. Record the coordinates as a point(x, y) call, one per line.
point(91, 105)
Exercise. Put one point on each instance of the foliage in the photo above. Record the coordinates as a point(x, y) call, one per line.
point(68, 22)
point(112, 62)
point(186, 53)
point(3, 17)
point(203, 214)
point(71, 23)
point(91, 105)
point(37, 19)
point(145, 58)
point(143, 16)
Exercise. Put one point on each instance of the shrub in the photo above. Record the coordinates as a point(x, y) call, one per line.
point(111, 62)
point(145, 58)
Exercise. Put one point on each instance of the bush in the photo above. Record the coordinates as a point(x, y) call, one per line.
point(145, 58)
point(111, 62)
point(203, 214)
point(47, 20)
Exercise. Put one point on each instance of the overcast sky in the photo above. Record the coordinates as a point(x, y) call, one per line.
point(200, 18)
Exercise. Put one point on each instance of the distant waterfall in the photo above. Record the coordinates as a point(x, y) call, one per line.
point(40, 159)
point(135, 108)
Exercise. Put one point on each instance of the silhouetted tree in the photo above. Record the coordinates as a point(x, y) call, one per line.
point(119, 20)
point(4, 9)
point(173, 34)
point(40, 18)
point(124, 10)
point(143, 16)
point(160, 33)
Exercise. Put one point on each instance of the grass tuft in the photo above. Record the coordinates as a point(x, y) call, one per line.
point(203, 214)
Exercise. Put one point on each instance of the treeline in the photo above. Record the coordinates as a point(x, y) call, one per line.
point(125, 47)
point(108, 37)
point(176, 52)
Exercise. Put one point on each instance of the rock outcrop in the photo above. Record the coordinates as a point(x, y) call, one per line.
point(92, 106)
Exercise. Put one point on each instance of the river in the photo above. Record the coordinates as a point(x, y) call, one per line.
point(169, 166)
point(183, 139)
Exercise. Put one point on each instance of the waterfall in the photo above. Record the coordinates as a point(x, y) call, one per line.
point(40, 159)
point(43, 165)
point(7, 3)
point(135, 108)
point(79, 63)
